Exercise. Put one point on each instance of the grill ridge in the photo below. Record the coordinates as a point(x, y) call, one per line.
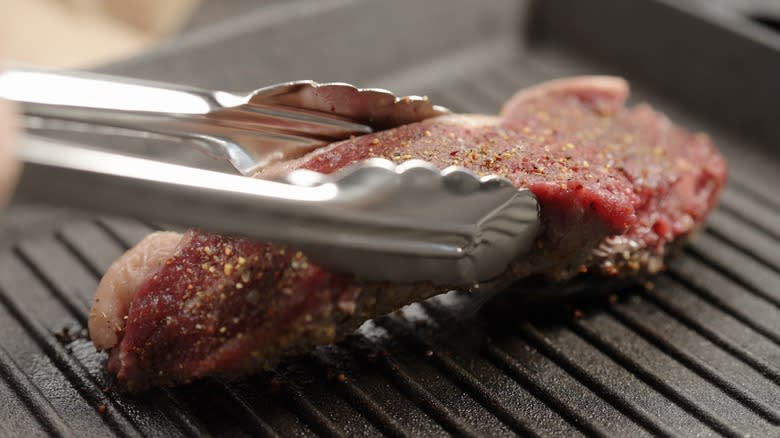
point(636, 413)
point(461, 377)
point(413, 390)
point(307, 411)
point(649, 378)
point(741, 354)
point(756, 215)
point(706, 249)
point(78, 255)
point(246, 415)
point(32, 397)
point(761, 246)
point(172, 408)
point(493, 95)
point(506, 363)
point(73, 370)
point(123, 242)
point(705, 371)
point(68, 301)
point(365, 404)
point(759, 194)
point(704, 294)
point(478, 100)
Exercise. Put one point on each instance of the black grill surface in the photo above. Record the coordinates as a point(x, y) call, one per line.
point(694, 353)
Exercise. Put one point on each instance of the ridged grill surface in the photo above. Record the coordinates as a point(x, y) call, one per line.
point(697, 353)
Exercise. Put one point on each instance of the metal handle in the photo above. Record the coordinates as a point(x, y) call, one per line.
point(80, 101)
point(377, 220)
point(62, 174)
point(68, 94)
point(211, 121)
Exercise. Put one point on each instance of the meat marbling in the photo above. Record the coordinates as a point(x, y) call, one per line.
point(617, 186)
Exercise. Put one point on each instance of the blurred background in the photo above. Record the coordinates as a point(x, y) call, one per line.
point(79, 33)
point(83, 33)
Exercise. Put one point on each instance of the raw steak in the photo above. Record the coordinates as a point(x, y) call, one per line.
point(617, 187)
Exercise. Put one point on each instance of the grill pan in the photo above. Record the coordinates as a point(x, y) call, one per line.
point(696, 353)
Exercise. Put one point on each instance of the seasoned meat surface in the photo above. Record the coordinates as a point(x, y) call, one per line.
point(617, 186)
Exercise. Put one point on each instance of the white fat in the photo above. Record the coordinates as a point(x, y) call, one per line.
point(120, 283)
point(612, 88)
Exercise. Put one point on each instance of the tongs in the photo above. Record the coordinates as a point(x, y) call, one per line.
point(406, 223)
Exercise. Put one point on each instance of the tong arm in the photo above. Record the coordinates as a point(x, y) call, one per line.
point(376, 220)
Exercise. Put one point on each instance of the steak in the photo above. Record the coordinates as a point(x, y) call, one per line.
point(618, 188)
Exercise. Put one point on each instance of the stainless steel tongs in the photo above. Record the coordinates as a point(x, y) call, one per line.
point(404, 223)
